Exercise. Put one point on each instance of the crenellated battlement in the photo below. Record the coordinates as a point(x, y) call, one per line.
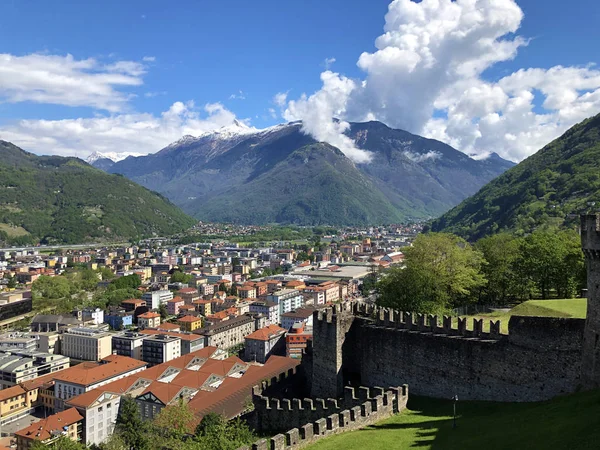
point(428, 323)
point(360, 407)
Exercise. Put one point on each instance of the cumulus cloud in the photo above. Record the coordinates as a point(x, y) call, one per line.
point(427, 76)
point(65, 80)
point(422, 157)
point(133, 133)
point(317, 113)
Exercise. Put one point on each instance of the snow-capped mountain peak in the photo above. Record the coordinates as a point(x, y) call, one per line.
point(113, 156)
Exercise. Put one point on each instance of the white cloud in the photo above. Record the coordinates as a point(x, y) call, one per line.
point(152, 94)
point(418, 157)
point(273, 113)
point(329, 62)
point(431, 60)
point(238, 96)
point(280, 98)
point(65, 80)
point(318, 111)
point(137, 133)
point(149, 58)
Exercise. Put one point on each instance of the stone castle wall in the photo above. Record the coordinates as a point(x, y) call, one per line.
point(539, 359)
point(362, 407)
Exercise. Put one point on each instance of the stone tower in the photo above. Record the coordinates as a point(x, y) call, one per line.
point(330, 327)
point(590, 243)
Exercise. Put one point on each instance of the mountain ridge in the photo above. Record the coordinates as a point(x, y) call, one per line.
point(549, 188)
point(420, 177)
point(55, 199)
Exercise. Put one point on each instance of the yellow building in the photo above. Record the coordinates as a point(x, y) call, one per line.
point(204, 307)
point(14, 402)
point(190, 323)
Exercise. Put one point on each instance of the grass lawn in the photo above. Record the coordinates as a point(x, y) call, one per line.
point(570, 422)
point(572, 307)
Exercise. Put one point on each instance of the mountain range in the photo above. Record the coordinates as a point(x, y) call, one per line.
point(550, 188)
point(52, 199)
point(282, 175)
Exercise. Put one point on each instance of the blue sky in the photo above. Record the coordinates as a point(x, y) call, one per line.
point(240, 54)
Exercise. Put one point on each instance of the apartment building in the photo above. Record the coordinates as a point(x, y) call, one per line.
point(155, 298)
point(19, 366)
point(160, 348)
point(189, 323)
point(87, 344)
point(262, 343)
point(268, 309)
point(189, 342)
point(174, 304)
point(287, 299)
point(230, 333)
point(148, 320)
point(128, 344)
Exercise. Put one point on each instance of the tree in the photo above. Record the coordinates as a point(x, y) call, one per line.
point(162, 310)
point(442, 272)
point(219, 434)
point(212, 423)
point(302, 256)
point(62, 443)
point(51, 287)
point(504, 281)
point(130, 427)
point(174, 421)
point(179, 277)
point(129, 281)
point(12, 282)
point(552, 261)
point(106, 273)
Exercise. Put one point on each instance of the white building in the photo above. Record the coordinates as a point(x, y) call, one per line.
point(287, 299)
point(155, 298)
point(78, 379)
point(268, 309)
point(99, 410)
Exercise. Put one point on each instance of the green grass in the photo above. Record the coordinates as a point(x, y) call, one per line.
point(570, 422)
point(572, 307)
point(13, 231)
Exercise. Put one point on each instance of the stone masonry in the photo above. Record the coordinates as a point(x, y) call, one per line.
point(363, 407)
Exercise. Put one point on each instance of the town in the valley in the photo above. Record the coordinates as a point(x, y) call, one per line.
point(203, 321)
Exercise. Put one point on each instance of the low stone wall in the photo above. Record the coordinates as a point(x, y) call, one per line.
point(372, 405)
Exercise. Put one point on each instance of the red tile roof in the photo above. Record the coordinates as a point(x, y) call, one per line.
point(266, 333)
point(189, 319)
point(42, 430)
point(87, 374)
point(11, 392)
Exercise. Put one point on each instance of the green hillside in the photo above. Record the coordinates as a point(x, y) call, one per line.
point(550, 188)
point(51, 199)
point(314, 185)
point(565, 423)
